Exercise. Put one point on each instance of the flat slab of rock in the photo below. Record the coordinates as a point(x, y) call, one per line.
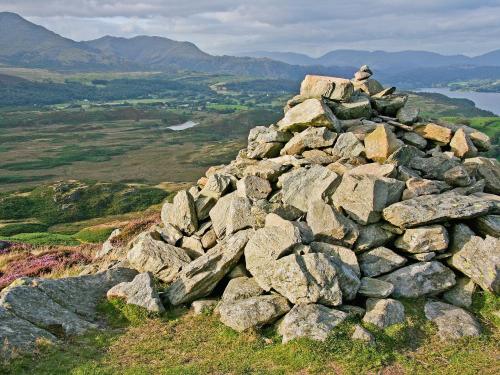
point(435, 209)
point(302, 186)
point(312, 321)
point(150, 254)
point(141, 292)
point(479, 259)
point(423, 239)
point(200, 277)
point(384, 313)
point(253, 312)
point(453, 322)
point(434, 132)
point(373, 235)
point(311, 112)
point(420, 279)
point(379, 261)
point(36, 308)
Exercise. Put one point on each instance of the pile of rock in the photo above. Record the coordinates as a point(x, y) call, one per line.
point(348, 203)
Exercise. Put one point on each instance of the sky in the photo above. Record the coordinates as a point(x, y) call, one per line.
point(313, 27)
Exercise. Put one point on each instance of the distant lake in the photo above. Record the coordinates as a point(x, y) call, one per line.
point(184, 126)
point(489, 101)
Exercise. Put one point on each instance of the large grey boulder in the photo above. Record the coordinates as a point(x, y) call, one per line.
point(200, 277)
point(312, 321)
point(420, 279)
point(266, 246)
point(268, 134)
point(239, 215)
point(57, 307)
point(389, 105)
point(169, 233)
point(478, 259)
point(408, 115)
point(435, 209)
point(453, 322)
point(328, 224)
point(434, 167)
point(311, 138)
point(20, 336)
point(241, 288)
point(182, 213)
point(379, 261)
point(307, 278)
point(219, 214)
point(150, 254)
point(384, 313)
point(253, 312)
point(363, 197)
point(358, 107)
point(141, 291)
point(263, 150)
point(304, 185)
point(311, 112)
point(423, 239)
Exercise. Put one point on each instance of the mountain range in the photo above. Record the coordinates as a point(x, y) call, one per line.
point(24, 44)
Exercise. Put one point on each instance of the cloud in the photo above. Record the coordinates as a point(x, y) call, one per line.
point(314, 27)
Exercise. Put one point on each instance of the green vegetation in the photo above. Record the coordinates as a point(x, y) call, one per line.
point(73, 201)
point(481, 85)
point(93, 235)
point(17, 228)
point(43, 238)
point(180, 343)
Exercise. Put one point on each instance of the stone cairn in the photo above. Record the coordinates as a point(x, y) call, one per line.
point(348, 203)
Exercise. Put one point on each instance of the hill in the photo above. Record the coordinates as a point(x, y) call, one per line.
point(24, 44)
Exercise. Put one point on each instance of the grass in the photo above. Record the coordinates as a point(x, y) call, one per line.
point(43, 239)
point(93, 235)
point(180, 343)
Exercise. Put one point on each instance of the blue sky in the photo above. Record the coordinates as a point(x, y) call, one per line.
point(315, 27)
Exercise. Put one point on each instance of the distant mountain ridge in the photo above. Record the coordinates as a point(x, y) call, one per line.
point(402, 60)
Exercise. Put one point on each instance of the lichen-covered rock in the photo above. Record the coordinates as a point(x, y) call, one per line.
point(200, 277)
point(389, 105)
point(266, 246)
point(358, 107)
point(384, 313)
point(416, 186)
point(461, 294)
point(182, 213)
point(348, 146)
point(169, 233)
point(362, 334)
point(141, 291)
point(423, 239)
point(192, 246)
point(375, 288)
point(478, 259)
point(435, 209)
point(311, 112)
point(253, 188)
point(239, 215)
point(457, 176)
point(488, 225)
point(364, 197)
point(150, 254)
point(408, 115)
point(241, 288)
point(253, 312)
point(264, 134)
point(108, 246)
point(342, 254)
point(304, 185)
point(373, 235)
point(420, 279)
point(453, 322)
point(487, 169)
point(330, 225)
point(308, 278)
point(217, 184)
point(311, 320)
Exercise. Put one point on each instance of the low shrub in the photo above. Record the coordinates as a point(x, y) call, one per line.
point(17, 228)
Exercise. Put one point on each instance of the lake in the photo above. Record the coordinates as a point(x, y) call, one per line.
point(184, 126)
point(489, 101)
